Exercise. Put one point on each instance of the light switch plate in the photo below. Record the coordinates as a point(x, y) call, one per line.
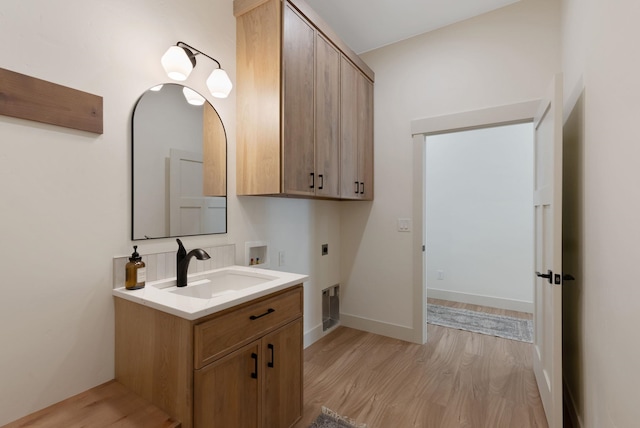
point(404, 225)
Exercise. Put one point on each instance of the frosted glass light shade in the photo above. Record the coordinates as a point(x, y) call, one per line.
point(219, 83)
point(176, 63)
point(192, 97)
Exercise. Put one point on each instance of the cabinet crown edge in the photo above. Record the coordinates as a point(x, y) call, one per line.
point(240, 7)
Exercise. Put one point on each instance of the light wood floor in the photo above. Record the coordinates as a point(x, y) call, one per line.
point(457, 379)
point(106, 405)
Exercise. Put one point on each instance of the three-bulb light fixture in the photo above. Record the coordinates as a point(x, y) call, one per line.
point(178, 62)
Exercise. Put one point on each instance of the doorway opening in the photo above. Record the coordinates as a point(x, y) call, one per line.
point(422, 129)
point(478, 218)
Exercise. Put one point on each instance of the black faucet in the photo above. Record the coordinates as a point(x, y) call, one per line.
point(183, 259)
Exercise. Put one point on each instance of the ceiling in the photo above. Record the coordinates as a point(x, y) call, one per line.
point(369, 24)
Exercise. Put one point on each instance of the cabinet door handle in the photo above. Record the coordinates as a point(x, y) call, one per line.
point(357, 187)
point(362, 188)
point(254, 375)
point(321, 181)
point(270, 363)
point(313, 181)
point(255, 317)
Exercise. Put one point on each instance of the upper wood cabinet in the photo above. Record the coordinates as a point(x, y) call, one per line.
point(292, 98)
point(356, 129)
point(327, 119)
point(298, 140)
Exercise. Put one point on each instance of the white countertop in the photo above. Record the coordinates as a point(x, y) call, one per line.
point(155, 293)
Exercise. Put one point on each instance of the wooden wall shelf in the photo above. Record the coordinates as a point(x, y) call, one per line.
point(26, 97)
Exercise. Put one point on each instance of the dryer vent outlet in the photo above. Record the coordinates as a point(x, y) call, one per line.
point(330, 307)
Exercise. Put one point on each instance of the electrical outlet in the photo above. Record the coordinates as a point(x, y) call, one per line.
point(440, 274)
point(281, 259)
point(325, 249)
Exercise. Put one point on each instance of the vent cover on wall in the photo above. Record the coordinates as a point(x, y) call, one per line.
point(330, 307)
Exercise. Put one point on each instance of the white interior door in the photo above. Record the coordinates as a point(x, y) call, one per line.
point(547, 201)
point(190, 212)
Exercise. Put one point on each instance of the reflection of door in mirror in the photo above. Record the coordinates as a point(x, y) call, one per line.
point(190, 212)
point(163, 121)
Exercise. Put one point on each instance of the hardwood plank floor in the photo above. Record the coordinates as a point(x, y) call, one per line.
point(106, 405)
point(456, 379)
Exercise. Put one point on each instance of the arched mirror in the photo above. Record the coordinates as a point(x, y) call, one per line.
point(179, 165)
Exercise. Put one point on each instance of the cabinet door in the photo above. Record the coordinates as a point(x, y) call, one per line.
point(365, 137)
point(258, 90)
point(350, 183)
point(298, 176)
point(282, 388)
point(327, 119)
point(227, 391)
point(356, 131)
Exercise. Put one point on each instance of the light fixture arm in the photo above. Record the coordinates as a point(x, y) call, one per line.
point(179, 60)
point(192, 56)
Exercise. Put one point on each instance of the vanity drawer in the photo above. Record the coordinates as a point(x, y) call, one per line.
point(218, 336)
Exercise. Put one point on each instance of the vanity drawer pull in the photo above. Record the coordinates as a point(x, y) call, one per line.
point(255, 317)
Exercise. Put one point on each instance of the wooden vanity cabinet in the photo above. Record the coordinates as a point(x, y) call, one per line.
point(258, 385)
point(225, 394)
point(241, 367)
point(289, 100)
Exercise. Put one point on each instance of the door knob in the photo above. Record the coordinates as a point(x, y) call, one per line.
point(568, 277)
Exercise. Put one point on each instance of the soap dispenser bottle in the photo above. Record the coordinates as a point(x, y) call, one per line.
point(136, 272)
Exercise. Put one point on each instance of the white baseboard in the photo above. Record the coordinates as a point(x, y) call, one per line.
point(313, 335)
point(570, 406)
point(377, 327)
point(360, 323)
point(475, 299)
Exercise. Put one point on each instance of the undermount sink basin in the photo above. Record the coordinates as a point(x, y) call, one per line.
point(219, 283)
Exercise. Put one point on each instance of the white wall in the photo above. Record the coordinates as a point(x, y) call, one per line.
point(66, 194)
point(600, 49)
point(503, 57)
point(479, 218)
